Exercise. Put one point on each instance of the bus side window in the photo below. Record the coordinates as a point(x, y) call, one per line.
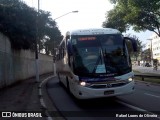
point(69, 48)
point(61, 50)
point(59, 53)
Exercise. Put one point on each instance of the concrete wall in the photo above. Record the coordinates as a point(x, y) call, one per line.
point(19, 65)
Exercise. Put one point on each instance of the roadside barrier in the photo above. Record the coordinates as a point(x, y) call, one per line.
point(147, 76)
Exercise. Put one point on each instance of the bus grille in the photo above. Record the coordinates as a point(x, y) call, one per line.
point(109, 85)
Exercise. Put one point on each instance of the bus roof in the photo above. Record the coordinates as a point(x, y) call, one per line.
point(93, 31)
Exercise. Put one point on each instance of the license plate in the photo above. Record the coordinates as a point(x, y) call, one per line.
point(108, 92)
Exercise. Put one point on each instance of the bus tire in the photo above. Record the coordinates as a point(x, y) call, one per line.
point(68, 86)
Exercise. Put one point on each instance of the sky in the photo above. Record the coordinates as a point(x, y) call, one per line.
point(91, 14)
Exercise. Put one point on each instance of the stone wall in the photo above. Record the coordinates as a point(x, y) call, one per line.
point(20, 65)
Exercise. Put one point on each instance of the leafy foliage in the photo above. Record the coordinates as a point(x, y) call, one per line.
point(22, 24)
point(140, 46)
point(141, 14)
point(114, 20)
point(146, 55)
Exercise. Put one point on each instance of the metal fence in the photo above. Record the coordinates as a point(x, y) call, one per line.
point(143, 76)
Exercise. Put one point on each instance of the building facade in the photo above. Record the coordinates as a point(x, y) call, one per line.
point(154, 44)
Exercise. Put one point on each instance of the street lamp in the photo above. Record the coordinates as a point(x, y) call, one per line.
point(54, 65)
point(66, 14)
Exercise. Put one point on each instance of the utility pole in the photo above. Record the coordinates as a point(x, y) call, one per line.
point(36, 47)
point(151, 52)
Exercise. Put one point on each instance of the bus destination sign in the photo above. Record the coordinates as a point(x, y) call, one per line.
point(86, 38)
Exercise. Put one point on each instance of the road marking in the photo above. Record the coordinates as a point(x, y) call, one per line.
point(42, 100)
point(136, 108)
point(42, 103)
point(152, 95)
point(50, 118)
point(40, 85)
point(131, 106)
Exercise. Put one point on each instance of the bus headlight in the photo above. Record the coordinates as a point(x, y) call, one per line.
point(84, 84)
point(130, 79)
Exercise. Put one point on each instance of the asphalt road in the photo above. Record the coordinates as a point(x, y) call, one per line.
point(145, 100)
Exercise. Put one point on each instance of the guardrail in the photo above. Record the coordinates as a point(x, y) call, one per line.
point(147, 76)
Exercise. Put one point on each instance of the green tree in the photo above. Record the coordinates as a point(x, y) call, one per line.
point(52, 39)
point(16, 22)
point(20, 23)
point(140, 46)
point(141, 14)
point(114, 19)
point(146, 55)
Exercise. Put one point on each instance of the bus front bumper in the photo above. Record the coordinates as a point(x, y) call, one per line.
point(86, 93)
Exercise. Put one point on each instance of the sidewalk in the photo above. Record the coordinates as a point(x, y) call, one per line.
point(146, 69)
point(21, 97)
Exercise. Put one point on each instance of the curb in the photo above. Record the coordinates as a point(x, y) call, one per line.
point(43, 105)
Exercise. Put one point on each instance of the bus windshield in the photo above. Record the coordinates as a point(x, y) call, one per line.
point(99, 55)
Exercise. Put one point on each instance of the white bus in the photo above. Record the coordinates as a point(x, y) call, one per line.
point(95, 63)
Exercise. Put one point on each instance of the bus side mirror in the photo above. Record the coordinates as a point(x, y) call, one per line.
point(133, 43)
